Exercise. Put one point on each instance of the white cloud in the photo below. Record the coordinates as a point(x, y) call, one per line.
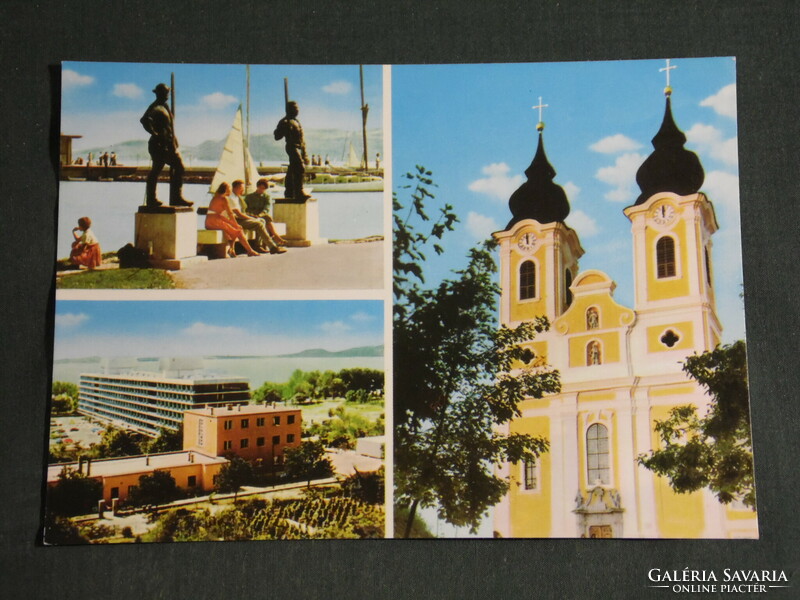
point(361, 317)
point(572, 191)
point(585, 225)
point(72, 79)
point(723, 102)
point(337, 87)
point(723, 190)
point(709, 140)
point(614, 144)
point(218, 100)
point(498, 184)
point(481, 226)
point(204, 329)
point(70, 320)
point(127, 90)
point(622, 175)
point(335, 327)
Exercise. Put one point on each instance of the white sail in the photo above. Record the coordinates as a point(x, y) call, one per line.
point(352, 158)
point(236, 161)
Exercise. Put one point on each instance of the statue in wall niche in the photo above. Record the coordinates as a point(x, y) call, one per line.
point(289, 129)
point(579, 500)
point(158, 121)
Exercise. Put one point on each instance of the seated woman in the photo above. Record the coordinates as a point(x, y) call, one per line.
point(219, 217)
point(85, 249)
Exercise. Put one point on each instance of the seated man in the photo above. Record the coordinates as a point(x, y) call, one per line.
point(263, 240)
point(256, 205)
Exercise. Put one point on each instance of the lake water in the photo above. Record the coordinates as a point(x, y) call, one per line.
point(257, 369)
point(112, 205)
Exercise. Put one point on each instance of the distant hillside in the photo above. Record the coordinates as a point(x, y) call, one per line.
point(264, 148)
point(362, 351)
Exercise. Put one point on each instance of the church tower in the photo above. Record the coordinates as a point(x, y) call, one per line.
point(538, 252)
point(672, 223)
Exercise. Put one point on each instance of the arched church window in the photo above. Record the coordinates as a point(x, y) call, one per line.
point(593, 356)
point(567, 284)
point(665, 257)
point(527, 280)
point(708, 266)
point(592, 318)
point(531, 481)
point(597, 454)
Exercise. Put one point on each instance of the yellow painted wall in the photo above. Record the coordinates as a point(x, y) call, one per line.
point(522, 310)
point(684, 329)
point(530, 510)
point(609, 348)
point(677, 515)
point(596, 396)
point(663, 289)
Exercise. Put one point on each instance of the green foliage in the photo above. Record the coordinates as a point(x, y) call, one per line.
point(234, 475)
point(306, 462)
point(452, 390)
point(119, 442)
point(366, 487)
point(73, 494)
point(268, 393)
point(167, 441)
point(64, 398)
point(345, 427)
point(312, 517)
point(418, 528)
point(65, 387)
point(156, 488)
point(713, 451)
point(307, 386)
point(96, 531)
point(118, 279)
point(60, 531)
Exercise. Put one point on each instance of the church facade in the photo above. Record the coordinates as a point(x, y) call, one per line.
point(620, 367)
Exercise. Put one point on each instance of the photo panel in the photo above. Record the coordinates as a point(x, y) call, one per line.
point(569, 354)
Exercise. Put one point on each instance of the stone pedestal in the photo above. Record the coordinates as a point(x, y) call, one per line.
point(302, 221)
point(168, 234)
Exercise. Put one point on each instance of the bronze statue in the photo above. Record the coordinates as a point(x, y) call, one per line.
point(163, 148)
point(290, 129)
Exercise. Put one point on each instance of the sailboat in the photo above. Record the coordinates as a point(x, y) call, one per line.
point(236, 161)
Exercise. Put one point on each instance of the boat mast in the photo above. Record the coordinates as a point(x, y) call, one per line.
point(246, 145)
point(364, 111)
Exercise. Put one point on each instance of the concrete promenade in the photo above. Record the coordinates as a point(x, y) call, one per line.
point(344, 265)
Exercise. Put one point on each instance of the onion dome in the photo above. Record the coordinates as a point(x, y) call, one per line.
point(539, 198)
point(671, 167)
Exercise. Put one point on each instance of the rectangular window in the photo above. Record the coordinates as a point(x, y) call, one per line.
point(115, 492)
point(245, 423)
point(244, 443)
point(260, 422)
point(192, 482)
point(290, 419)
point(227, 445)
point(276, 420)
point(290, 438)
point(228, 424)
point(530, 480)
point(276, 439)
point(260, 441)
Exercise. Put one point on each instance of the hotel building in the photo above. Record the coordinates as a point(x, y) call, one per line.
point(145, 401)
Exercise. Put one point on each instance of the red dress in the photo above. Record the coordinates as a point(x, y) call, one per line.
point(216, 219)
point(86, 251)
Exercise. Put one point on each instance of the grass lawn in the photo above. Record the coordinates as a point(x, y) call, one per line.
point(142, 279)
point(316, 413)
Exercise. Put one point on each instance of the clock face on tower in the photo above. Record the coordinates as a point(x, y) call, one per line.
point(527, 242)
point(664, 214)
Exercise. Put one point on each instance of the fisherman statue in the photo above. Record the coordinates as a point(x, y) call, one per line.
point(163, 148)
point(289, 129)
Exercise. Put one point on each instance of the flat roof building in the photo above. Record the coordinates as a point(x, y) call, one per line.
point(146, 401)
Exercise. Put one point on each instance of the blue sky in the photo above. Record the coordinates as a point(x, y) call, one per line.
point(104, 101)
point(196, 328)
point(473, 126)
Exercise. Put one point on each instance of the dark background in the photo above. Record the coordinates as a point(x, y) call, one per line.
point(35, 37)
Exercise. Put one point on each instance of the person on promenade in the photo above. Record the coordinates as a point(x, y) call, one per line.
point(85, 249)
point(219, 217)
point(263, 242)
point(289, 128)
point(257, 204)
